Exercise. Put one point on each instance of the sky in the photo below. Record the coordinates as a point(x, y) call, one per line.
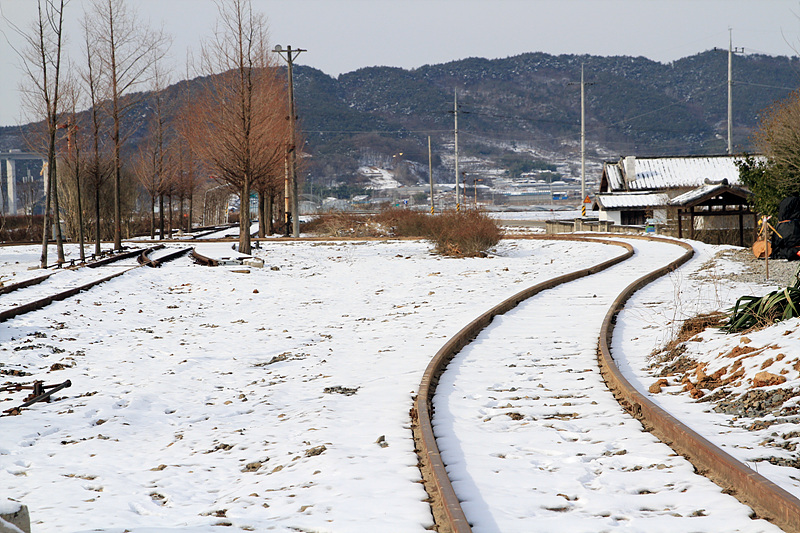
point(344, 35)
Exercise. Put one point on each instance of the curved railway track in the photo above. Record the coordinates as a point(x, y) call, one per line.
point(766, 498)
point(156, 256)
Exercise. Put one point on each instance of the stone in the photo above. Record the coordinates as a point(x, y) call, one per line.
point(767, 379)
point(14, 517)
point(255, 262)
point(655, 388)
point(316, 450)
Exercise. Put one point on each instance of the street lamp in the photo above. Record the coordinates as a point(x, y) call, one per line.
point(289, 56)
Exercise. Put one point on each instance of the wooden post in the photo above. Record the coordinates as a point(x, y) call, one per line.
point(765, 227)
point(741, 226)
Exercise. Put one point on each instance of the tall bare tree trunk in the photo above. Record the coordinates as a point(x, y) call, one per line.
point(161, 216)
point(97, 235)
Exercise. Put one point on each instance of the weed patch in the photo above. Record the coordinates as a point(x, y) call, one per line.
point(457, 234)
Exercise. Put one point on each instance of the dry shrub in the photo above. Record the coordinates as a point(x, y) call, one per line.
point(19, 228)
point(464, 233)
point(697, 324)
point(341, 224)
point(675, 348)
point(457, 234)
point(405, 223)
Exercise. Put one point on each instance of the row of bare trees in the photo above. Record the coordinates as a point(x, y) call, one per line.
point(237, 123)
point(231, 125)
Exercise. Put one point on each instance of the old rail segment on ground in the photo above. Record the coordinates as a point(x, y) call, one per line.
point(766, 498)
point(40, 303)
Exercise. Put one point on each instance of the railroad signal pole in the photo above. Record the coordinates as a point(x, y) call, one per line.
point(289, 56)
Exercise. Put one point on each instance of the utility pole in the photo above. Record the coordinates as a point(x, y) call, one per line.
point(455, 115)
point(430, 170)
point(583, 140)
point(731, 51)
point(289, 56)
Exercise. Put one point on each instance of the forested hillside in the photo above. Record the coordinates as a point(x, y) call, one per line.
point(515, 109)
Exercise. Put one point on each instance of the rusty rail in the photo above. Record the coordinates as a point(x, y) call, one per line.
point(47, 300)
point(446, 507)
point(39, 394)
point(766, 498)
point(203, 260)
point(23, 284)
point(114, 258)
point(144, 258)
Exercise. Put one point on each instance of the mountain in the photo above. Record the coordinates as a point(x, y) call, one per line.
point(529, 106)
point(524, 111)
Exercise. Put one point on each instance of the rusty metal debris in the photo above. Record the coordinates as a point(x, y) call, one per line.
point(39, 393)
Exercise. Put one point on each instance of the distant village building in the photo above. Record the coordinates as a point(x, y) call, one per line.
point(697, 197)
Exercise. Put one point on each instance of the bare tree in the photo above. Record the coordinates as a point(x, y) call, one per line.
point(148, 167)
point(71, 183)
point(237, 125)
point(41, 61)
point(97, 167)
point(149, 164)
point(127, 50)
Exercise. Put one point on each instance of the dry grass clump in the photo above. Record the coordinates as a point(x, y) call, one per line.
point(342, 224)
point(456, 234)
point(464, 234)
point(405, 223)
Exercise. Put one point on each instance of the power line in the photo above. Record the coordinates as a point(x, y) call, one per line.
point(765, 86)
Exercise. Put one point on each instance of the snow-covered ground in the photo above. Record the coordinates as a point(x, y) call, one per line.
point(270, 399)
point(534, 441)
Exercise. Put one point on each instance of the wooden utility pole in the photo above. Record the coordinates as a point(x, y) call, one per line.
point(289, 56)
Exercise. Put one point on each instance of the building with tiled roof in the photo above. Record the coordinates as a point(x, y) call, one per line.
point(678, 194)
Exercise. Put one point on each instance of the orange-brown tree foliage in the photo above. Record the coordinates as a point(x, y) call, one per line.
point(236, 121)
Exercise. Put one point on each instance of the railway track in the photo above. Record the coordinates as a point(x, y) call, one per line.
point(520, 400)
point(36, 293)
point(157, 256)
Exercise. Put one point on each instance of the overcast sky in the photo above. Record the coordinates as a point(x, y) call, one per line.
point(344, 35)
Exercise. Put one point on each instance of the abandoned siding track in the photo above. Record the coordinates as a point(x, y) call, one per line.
point(766, 498)
point(34, 294)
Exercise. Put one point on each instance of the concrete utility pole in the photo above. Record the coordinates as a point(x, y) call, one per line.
point(455, 115)
point(583, 140)
point(731, 51)
point(430, 170)
point(289, 56)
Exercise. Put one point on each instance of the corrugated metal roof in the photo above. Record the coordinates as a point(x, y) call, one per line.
point(659, 173)
point(629, 200)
